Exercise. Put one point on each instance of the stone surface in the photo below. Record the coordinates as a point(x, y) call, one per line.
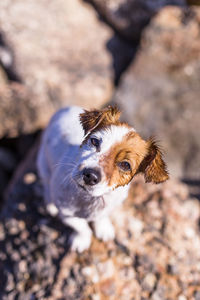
point(20, 112)
point(159, 94)
point(128, 18)
point(60, 57)
point(155, 254)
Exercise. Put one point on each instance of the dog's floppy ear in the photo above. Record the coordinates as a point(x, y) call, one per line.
point(91, 120)
point(153, 165)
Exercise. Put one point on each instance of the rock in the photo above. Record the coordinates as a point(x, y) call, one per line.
point(159, 94)
point(18, 109)
point(60, 58)
point(149, 282)
point(7, 59)
point(151, 257)
point(128, 18)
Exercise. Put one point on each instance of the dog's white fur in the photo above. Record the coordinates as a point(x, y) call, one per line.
point(61, 162)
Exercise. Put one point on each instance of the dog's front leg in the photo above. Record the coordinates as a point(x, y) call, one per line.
point(104, 229)
point(82, 239)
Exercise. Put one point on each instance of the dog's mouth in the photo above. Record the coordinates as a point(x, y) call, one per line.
point(94, 190)
point(78, 178)
point(81, 186)
point(87, 189)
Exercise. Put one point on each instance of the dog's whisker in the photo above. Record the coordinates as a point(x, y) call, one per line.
point(65, 164)
point(67, 156)
point(65, 179)
point(68, 178)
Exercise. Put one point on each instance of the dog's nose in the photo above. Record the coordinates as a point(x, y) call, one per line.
point(91, 176)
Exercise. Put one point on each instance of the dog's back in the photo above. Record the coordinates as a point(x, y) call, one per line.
point(63, 135)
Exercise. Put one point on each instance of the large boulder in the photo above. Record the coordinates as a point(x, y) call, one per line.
point(20, 110)
point(128, 18)
point(155, 254)
point(159, 94)
point(59, 57)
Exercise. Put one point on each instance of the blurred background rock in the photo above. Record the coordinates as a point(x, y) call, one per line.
point(144, 57)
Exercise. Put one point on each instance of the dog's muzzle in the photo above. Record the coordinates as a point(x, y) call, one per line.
point(91, 176)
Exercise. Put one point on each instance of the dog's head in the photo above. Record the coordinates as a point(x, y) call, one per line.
point(112, 153)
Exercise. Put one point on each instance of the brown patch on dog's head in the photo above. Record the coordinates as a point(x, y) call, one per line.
point(142, 156)
point(96, 119)
point(153, 165)
point(132, 150)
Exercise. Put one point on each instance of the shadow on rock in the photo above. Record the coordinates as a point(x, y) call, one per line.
point(123, 53)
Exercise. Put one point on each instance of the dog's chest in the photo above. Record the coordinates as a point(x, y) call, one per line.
point(78, 203)
point(90, 208)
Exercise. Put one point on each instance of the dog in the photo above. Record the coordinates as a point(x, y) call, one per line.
point(86, 162)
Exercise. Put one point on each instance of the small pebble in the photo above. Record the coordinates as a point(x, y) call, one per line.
point(149, 281)
point(21, 207)
point(2, 233)
point(29, 178)
point(182, 297)
point(22, 266)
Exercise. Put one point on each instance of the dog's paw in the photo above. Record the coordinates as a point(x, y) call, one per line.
point(104, 230)
point(81, 242)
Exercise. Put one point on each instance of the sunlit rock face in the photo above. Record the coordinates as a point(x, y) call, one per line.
point(159, 94)
point(57, 52)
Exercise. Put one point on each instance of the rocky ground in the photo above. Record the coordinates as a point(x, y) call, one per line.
point(144, 57)
point(155, 254)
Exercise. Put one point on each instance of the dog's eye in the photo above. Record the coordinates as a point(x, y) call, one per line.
point(95, 142)
point(125, 166)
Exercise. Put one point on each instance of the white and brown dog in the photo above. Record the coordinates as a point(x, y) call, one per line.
point(86, 162)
